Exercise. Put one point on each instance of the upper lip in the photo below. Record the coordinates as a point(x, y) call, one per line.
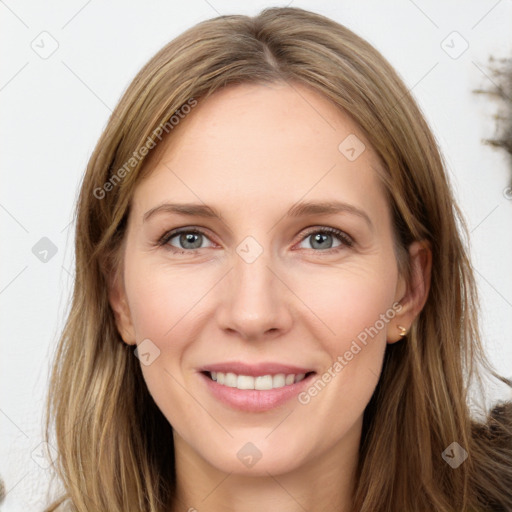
point(255, 370)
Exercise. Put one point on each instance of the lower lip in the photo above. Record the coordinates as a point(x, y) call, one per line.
point(254, 400)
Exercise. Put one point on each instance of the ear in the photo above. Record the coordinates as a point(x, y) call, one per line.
point(119, 304)
point(416, 291)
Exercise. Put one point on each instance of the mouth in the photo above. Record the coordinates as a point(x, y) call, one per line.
point(254, 393)
point(260, 383)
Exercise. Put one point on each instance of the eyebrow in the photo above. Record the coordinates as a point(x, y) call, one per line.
point(297, 210)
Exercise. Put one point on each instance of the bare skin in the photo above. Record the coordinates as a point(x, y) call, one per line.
point(251, 152)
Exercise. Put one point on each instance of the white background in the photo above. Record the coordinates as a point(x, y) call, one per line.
point(54, 109)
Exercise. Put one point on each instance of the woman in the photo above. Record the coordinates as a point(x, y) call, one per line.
point(255, 369)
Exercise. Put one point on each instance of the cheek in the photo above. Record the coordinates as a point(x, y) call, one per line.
point(164, 305)
point(357, 308)
point(162, 299)
point(167, 305)
point(348, 300)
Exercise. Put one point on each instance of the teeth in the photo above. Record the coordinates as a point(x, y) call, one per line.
point(261, 383)
point(244, 382)
point(230, 380)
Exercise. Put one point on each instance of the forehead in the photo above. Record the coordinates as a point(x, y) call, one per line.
point(259, 147)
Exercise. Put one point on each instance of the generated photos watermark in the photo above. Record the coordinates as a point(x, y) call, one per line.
point(137, 156)
point(342, 360)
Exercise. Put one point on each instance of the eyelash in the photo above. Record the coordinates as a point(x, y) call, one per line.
point(345, 240)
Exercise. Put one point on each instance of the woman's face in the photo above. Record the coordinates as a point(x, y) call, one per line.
point(261, 290)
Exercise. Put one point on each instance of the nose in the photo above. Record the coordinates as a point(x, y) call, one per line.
point(254, 300)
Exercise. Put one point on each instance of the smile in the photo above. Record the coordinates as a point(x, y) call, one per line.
point(254, 393)
point(261, 383)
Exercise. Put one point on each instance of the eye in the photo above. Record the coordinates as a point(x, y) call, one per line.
point(321, 238)
point(187, 238)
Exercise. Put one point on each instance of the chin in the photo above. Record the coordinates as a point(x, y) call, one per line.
point(258, 457)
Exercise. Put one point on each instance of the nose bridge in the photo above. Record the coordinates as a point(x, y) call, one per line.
point(253, 299)
point(252, 277)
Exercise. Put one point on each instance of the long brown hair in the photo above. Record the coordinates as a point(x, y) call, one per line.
point(108, 429)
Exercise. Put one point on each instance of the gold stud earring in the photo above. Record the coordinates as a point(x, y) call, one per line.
point(403, 330)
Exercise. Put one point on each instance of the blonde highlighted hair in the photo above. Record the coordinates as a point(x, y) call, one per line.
point(110, 433)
